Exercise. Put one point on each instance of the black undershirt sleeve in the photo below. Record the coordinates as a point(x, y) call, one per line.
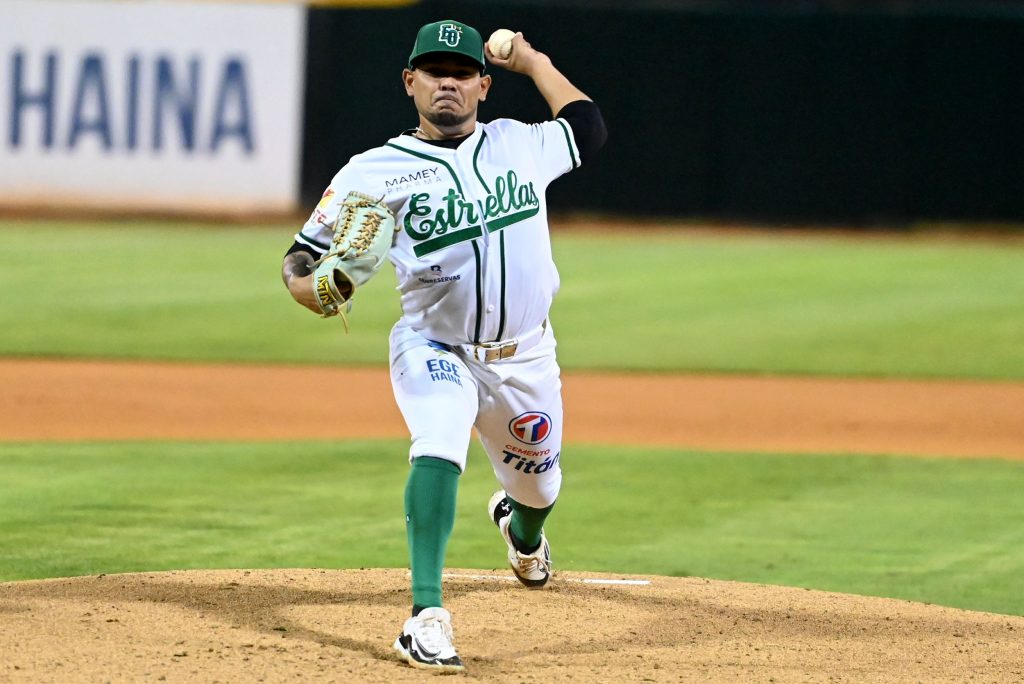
point(299, 247)
point(587, 125)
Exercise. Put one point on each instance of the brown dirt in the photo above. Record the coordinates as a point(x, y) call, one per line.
point(45, 400)
point(329, 625)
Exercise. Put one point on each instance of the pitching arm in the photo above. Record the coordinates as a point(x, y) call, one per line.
point(554, 87)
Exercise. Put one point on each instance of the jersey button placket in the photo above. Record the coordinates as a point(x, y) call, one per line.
point(482, 242)
point(489, 254)
point(485, 248)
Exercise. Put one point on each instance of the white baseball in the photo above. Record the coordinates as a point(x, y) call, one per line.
point(500, 43)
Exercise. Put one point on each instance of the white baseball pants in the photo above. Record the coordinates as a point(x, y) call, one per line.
point(514, 403)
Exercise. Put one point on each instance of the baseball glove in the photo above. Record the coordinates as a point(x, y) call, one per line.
point(363, 235)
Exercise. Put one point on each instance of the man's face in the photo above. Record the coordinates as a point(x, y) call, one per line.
point(446, 90)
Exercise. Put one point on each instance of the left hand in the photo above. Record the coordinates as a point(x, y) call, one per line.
point(297, 273)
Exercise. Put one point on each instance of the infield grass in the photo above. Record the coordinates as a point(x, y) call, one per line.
point(759, 303)
point(940, 531)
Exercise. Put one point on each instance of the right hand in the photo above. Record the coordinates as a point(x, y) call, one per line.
point(297, 274)
point(523, 59)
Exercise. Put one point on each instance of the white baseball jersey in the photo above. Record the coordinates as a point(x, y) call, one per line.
point(472, 255)
point(473, 260)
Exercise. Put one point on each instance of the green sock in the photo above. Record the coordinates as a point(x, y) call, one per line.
point(526, 525)
point(429, 518)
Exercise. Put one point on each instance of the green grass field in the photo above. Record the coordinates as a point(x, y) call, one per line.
point(761, 304)
point(928, 530)
point(948, 532)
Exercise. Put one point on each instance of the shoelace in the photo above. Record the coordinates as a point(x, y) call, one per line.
point(435, 634)
point(534, 561)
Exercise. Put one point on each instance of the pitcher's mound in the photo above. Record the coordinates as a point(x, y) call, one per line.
point(338, 625)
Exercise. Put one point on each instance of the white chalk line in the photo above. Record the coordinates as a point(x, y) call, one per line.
point(589, 580)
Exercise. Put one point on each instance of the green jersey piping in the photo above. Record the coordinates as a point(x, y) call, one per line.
point(476, 153)
point(568, 141)
point(501, 246)
point(479, 292)
point(501, 320)
point(442, 162)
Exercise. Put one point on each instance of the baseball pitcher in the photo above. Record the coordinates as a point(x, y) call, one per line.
point(459, 208)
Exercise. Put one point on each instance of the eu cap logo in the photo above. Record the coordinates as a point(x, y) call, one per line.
point(451, 37)
point(449, 34)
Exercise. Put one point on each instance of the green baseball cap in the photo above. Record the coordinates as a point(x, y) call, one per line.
point(451, 36)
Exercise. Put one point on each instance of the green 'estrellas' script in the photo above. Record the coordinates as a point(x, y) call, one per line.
point(458, 220)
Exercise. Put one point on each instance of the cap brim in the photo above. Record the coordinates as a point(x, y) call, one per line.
point(458, 56)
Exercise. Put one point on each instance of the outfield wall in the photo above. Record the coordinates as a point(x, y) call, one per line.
point(157, 106)
point(790, 111)
point(781, 112)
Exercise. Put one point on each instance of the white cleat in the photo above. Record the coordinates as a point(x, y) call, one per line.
point(532, 569)
point(426, 642)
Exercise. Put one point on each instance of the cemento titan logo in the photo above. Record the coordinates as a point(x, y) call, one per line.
point(532, 427)
point(531, 467)
point(450, 34)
